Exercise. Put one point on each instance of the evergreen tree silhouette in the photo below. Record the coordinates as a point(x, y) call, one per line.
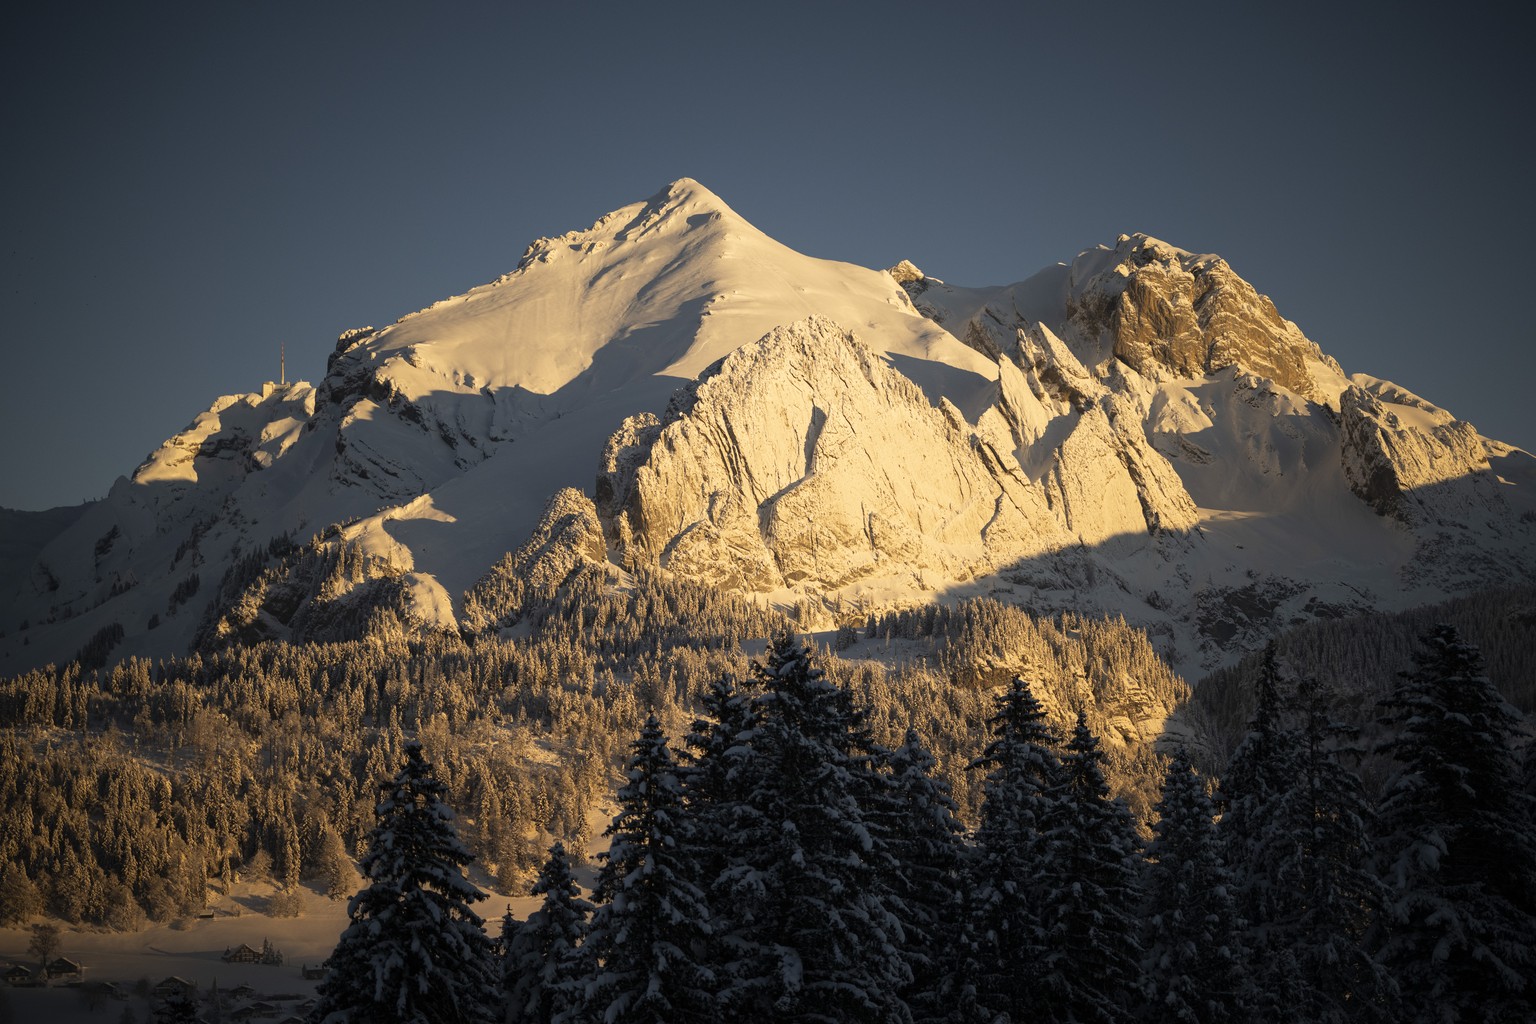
point(641, 958)
point(926, 841)
point(1023, 772)
point(1458, 844)
point(1089, 967)
point(414, 952)
point(540, 974)
point(178, 1007)
point(807, 932)
point(1193, 965)
point(1258, 778)
point(1335, 896)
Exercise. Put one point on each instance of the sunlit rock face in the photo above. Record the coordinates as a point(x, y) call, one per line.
point(1163, 310)
point(803, 458)
point(1428, 469)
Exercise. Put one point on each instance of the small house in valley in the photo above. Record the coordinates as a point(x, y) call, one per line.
point(170, 986)
point(64, 969)
point(242, 954)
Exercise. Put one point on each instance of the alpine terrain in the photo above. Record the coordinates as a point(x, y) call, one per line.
point(513, 601)
point(1138, 432)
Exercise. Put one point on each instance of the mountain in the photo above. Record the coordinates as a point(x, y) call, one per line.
point(1138, 432)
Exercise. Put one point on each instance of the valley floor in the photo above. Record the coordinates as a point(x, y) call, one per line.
point(193, 949)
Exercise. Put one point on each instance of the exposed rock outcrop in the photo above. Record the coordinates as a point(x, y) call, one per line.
point(1162, 310)
point(804, 459)
point(1431, 471)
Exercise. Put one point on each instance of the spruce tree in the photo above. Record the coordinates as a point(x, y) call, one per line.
point(1023, 772)
point(925, 840)
point(1260, 772)
point(1458, 850)
point(1088, 874)
point(713, 749)
point(414, 951)
point(540, 973)
point(641, 957)
point(1298, 833)
point(1326, 827)
point(1255, 846)
point(505, 938)
point(807, 931)
point(1193, 964)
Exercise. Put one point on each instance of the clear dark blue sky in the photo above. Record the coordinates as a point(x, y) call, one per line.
point(187, 186)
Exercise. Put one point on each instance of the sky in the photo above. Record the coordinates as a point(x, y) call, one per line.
point(189, 186)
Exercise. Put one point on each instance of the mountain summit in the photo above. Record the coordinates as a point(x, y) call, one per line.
point(1138, 432)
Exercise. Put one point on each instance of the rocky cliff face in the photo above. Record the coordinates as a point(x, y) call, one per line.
point(1162, 311)
point(804, 460)
point(1154, 308)
point(1144, 375)
point(1412, 461)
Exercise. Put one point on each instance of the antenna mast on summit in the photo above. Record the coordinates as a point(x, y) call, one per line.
point(282, 363)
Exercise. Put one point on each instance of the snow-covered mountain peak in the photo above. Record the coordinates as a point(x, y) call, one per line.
point(667, 286)
point(1136, 432)
point(680, 207)
point(1131, 251)
point(236, 433)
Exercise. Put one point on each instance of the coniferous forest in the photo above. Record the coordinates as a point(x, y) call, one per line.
point(782, 865)
point(972, 826)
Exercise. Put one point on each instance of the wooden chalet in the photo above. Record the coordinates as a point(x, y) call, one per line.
point(172, 985)
point(65, 969)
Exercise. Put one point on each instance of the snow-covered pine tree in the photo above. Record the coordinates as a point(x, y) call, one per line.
point(1297, 834)
point(710, 750)
point(414, 951)
point(640, 962)
point(503, 943)
point(1457, 849)
point(1023, 771)
point(806, 930)
point(925, 840)
point(1259, 775)
point(1193, 964)
point(1333, 895)
point(713, 750)
point(539, 973)
point(1089, 967)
